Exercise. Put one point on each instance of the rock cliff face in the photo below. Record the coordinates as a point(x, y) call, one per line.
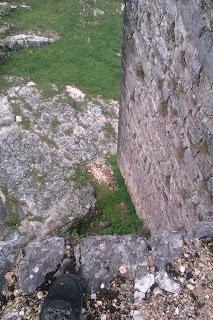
point(166, 127)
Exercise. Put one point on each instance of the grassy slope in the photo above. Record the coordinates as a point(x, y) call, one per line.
point(92, 65)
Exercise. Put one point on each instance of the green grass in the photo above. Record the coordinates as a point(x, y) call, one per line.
point(4, 84)
point(109, 131)
point(12, 206)
point(115, 206)
point(12, 219)
point(55, 122)
point(86, 54)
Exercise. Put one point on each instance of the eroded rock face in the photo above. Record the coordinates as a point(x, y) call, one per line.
point(40, 259)
point(101, 258)
point(165, 135)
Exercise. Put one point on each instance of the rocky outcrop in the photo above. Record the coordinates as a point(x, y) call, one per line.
point(165, 135)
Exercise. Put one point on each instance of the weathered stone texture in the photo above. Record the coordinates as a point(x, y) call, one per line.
point(166, 118)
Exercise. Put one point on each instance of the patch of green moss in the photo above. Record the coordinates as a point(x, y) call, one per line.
point(12, 219)
point(55, 122)
point(109, 131)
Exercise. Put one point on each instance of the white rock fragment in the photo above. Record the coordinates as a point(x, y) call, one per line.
point(136, 315)
point(177, 311)
point(142, 286)
point(75, 94)
point(167, 284)
point(182, 269)
point(123, 270)
point(98, 12)
point(31, 84)
point(18, 119)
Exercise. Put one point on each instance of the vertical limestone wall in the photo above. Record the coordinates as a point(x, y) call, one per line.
point(166, 119)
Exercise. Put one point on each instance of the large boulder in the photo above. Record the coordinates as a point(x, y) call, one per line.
point(41, 258)
point(102, 258)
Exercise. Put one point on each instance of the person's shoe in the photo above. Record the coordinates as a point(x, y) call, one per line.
point(64, 300)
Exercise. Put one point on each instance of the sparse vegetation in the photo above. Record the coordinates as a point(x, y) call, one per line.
point(49, 141)
point(115, 205)
point(109, 131)
point(75, 105)
point(12, 219)
point(26, 124)
point(55, 122)
point(108, 112)
point(37, 176)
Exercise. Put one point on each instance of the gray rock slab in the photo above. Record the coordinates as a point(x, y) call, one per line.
point(101, 258)
point(6, 115)
point(166, 247)
point(8, 252)
point(40, 259)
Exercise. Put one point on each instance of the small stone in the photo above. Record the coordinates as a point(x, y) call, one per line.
point(93, 296)
point(21, 313)
point(177, 311)
point(190, 287)
point(102, 286)
point(103, 317)
point(123, 270)
point(157, 291)
point(182, 269)
point(18, 119)
point(210, 276)
point(197, 272)
point(99, 303)
point(40, 295)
